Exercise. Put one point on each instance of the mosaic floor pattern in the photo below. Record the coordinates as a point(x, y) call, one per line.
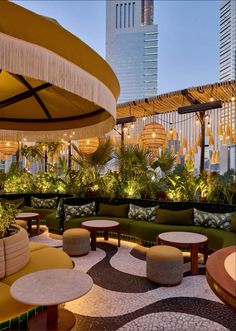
point(123, 299)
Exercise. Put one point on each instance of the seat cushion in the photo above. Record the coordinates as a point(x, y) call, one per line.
point(219, 238)
point(47, 258)
point(148, 231)
point(34, 246)
point(9, 307)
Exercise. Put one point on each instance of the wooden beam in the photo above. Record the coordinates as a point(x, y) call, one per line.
point(39, 100)
point(200, 107)
point(124, 120)
point(23, 95)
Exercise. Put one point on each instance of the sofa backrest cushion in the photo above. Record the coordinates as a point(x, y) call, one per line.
point(172, 217)
point(113, 210)
point(79, 211)
point(141, 213)
point(44, 203)
point(213, 220)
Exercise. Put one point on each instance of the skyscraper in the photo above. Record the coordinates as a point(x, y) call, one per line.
point(227, 40)
point(228, 70)
point(131, 47)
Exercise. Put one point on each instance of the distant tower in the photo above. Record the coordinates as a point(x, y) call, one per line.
point(228, 68)
point(227, 40)
point(131, 47)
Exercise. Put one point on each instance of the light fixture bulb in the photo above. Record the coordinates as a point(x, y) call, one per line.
point(87, 142)
point(171, 130)
point(208, 125)
point(153, 135)
point(211, 99)
point(144, 118)
point(233, 99)
point(197, 121)
point(132, 125)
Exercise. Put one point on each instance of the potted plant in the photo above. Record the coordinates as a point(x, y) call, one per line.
point(14, 242)
point(7, 217)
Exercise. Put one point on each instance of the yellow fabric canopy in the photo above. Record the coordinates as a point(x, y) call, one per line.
point(52, 84)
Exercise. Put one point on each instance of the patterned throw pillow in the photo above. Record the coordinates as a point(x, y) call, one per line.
point(44, 203)
point(79, 211)
point(212, 220)
point(141, 213)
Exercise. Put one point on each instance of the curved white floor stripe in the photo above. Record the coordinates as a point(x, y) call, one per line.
point(100, 302)
point(171, 321)
point(84, 263)
point(44, 238)
point(127, 263)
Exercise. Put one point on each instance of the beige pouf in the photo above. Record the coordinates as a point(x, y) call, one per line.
point(76, 241)
point(165, 265)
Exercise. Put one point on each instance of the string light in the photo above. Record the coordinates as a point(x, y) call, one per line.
point(233, 99)
point(211, 99)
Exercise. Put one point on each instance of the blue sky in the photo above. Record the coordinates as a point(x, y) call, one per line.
point(188, 35)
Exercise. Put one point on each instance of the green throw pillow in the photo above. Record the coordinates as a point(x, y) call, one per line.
point(19, 203)
point(44, 203)
point(113, 210)
point(212, 220)
point(141, 213)
point(233, 223)
point(175, 217)
point(79, 211)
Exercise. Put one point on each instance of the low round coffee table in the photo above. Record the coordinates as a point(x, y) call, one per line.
point(187, 239)
point(29, 217)
point(101, 225)
point(50, 288)
point(221, 274)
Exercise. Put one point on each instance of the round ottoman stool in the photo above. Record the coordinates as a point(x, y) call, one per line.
point(165, 265)
point(76, 241)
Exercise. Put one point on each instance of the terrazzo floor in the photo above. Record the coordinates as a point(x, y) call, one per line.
point(122, 298)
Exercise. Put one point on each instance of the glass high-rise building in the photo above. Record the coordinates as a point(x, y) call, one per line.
point(227, 40)
point(132, 47)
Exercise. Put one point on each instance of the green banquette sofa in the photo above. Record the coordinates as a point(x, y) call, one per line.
point(216, 221)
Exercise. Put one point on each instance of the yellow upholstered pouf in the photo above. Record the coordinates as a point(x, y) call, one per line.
point(76, 241)
point(165, 265)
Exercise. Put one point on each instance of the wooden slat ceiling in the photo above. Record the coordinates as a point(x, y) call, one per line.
point(169, 102)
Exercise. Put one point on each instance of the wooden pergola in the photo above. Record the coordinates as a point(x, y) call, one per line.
point(169, 102)
point(193, 98)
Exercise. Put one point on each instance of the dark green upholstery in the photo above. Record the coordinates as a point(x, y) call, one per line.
point(174, 217)
point(76, 222)
point(113, 210)
point(233, 223)
point(219, 238)
point(148, 230)
point(43, 212)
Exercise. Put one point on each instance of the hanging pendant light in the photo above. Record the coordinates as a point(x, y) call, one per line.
point(88, 146)
point(217, 160)
point(8, 147)
point(211, 139)
point(153, 135)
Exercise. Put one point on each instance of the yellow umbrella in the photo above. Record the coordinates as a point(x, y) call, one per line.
point(52, 85)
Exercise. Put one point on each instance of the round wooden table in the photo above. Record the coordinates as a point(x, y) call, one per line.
point(186, 239)
point(49, 288)
point(101, 225)
point(29, 217)
point(221, 274)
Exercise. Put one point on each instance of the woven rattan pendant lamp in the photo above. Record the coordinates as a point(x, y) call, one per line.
point(88, 146)
point(153, 135)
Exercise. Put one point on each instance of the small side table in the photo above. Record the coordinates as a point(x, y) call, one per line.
point(49, 288)
point(101, 225)
point(29, 217)
point(192, 240)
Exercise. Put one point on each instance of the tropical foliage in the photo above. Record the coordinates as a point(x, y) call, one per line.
point(127, 171)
